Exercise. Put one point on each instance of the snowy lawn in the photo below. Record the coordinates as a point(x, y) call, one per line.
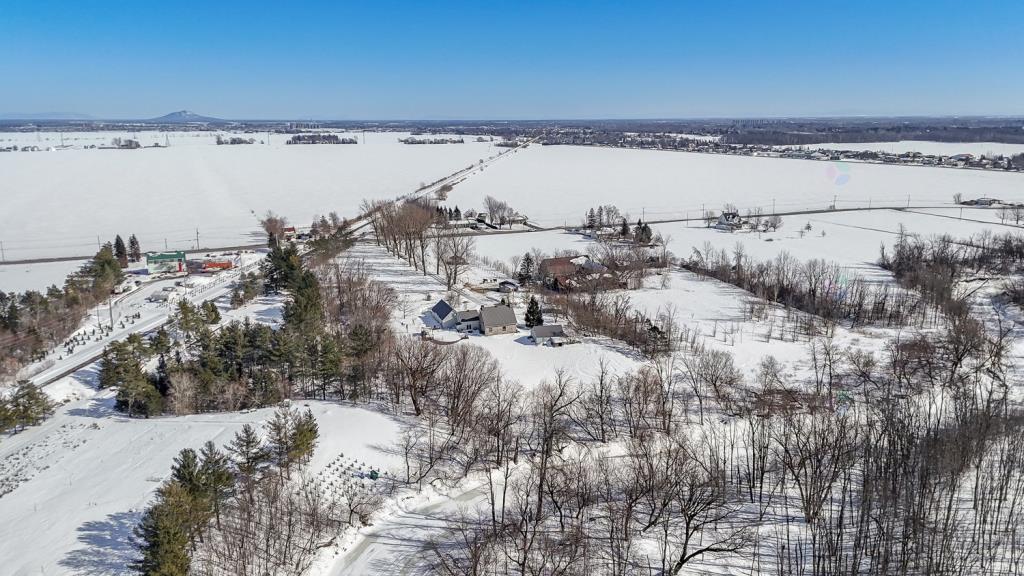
point(76, 485)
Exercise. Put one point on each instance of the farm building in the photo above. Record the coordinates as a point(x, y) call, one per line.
point(550, 335)
point(165, 262)
point(443, 314)
point(498, 319)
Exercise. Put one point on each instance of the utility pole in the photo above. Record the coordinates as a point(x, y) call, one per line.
point(197, 238)
point(908, 199)
point(165, 244)
point(98, 247)
point(3, 256)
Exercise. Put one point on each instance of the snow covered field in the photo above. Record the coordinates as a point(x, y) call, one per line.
point(852, 239)
point(56, 203)
point(556, 185)
point(925, 147)
point(24, 277)
point(76, 485)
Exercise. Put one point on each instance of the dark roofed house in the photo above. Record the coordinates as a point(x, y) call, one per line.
point(498, 319)
point(443, 313)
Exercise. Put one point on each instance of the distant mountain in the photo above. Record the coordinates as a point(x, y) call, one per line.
point(45, 116)
point(184, 117)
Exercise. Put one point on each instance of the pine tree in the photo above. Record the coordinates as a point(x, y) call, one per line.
point(624, 229)
point(526, 268)
point(304, 437)
point(163, 379)
point(11, 320)
point(120, 252)
point(211, 314)
point(280, 437)
point(248, 452)
point(458, 213)
point(215, 475)
point(163, 534)
point(591, 218)
point(29, 405)
point(134, 250)
point(534, 316)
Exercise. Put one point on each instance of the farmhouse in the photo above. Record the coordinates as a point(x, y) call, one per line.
point(498, 319)
point(730, 221)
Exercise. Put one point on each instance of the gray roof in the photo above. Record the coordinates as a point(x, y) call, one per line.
point(442, 309)
point(467, 315)
point(497, 316)
point(548, 331)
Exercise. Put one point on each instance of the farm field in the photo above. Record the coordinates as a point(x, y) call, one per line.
point(556, 185)
point(58, 203)
point(39, 276)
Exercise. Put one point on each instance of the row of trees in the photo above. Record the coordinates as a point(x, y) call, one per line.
point(814, 286)
point(238, 512)
point(33, 322)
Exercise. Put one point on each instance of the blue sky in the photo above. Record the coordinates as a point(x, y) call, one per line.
point(483, 59)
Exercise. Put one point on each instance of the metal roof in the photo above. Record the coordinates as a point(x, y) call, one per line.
point(497, 316)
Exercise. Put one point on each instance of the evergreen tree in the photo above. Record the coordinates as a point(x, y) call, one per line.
point(215, 475)
point(28, 405)
point(591, 218)
point(280, 438)
point(534, 316)
point(211, 314)
point(138, 397)
point(248, 452)
point(163, 534)
point(304, 437)
point(120, 252)
point(11, 319)
point(163, 379)
point(134, 250)
point(458, 213)
point(526, 268)
point(624, 229)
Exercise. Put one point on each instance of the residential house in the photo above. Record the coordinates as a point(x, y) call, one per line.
point(498, 319)
point(730, 221)
point(443, 314)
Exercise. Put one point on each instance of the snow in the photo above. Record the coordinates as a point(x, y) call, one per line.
point(82, 478)
point(852, 239)
point(556, 185)
point(39, 276)
point(56, 203)
point(927, 147)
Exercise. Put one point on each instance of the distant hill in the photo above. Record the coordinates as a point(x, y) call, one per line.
point(184, 117)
